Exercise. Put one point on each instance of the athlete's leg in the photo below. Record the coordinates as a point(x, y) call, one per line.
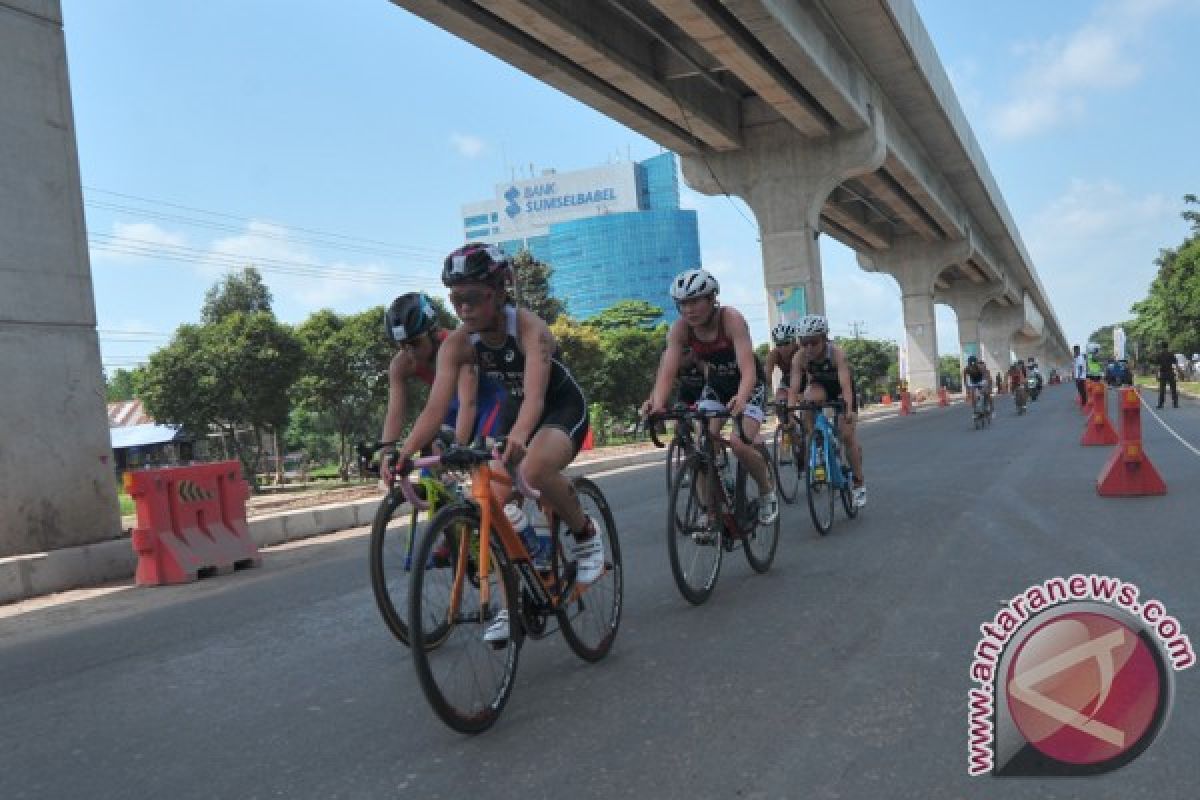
point(549, 452)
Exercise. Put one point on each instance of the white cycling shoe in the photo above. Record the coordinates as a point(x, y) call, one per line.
point(859, 494)
point(768, 508)
point(589, 556)
point(498, 631)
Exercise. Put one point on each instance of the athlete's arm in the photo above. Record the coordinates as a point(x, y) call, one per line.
point(747, 366)
point(799, 363)
point(537, 343)
point(845, 381)
point(453, 353)
point(668, 365)
point(399, 371)
point(468, 403)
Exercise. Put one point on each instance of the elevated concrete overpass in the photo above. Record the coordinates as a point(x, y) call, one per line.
point(824, 116)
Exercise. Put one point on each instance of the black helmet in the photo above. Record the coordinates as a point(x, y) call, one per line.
point(475, 262)
point(409, 316)
point(972, 359)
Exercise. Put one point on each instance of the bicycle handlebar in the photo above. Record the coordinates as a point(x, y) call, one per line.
point(690, 413)
point(462, 457)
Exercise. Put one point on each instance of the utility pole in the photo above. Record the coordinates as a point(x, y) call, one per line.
point(858, 328)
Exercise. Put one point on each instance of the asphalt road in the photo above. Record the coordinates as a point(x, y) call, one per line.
point(842, 673)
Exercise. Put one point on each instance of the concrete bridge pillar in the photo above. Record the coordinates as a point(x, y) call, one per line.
point(786, 180)
point(968, 303)
point(998, 325)
point(57, 485)
point(916, 264)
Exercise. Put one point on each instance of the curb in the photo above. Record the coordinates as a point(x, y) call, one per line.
point(26, 576)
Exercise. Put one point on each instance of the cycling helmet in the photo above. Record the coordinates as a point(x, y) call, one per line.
point(475, 262)
point(972, 359)
point(409, 316)
point(812, 325)
point(1093, 348)
point(693, 283)
point(783, 333)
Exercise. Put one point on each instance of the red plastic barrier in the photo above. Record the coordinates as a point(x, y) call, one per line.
point(190, 521)
point(905, 403)
point(1098, 430)
point(588, 444)
point(886, 400)
point(1129, 472)
point(943, 396)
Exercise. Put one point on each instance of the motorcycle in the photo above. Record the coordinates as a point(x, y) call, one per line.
point(1033, 384)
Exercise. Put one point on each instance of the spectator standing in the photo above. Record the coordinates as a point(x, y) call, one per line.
point(1081, 376)
point(1165, 362)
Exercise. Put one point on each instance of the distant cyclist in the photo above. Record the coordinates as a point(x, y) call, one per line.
point(719, 336)
point(977, 379)
point(821, 370)
point(410, 323)
point(783, 336)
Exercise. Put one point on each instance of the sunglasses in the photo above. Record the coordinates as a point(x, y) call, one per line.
point(470, 297)
point(810, 342)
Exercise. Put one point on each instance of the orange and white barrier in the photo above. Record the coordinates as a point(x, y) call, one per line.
point(1129, 472)
point(1098, 430)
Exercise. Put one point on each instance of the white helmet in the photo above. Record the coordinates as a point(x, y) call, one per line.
point(693, 283)
point(812, 325)
point(1093, 348)
point(783, 333)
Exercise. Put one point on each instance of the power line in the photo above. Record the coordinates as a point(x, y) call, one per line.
point(414, 250)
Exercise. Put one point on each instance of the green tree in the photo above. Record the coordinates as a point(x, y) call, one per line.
point(533, 287)
point(950, 372)
point(123, 385)
point(870, 360)
point(581, 350)
point(1171, 309)
point(631, 358)
point(626, 314)
point(344, 377)
point(232, 375)
point(762, 351)
point(244, 291)
point(1104, 337)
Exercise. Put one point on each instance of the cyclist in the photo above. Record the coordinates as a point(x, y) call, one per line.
point(719, 336)
point(977, 379)
point(783, 336)
point(1016, 382)
point(549, 412)
point(821, 370)
point(411, 325)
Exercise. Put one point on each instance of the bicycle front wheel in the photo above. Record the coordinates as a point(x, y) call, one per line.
point(693, 531)
point(786, 465)
point(761, 543)
point(818, 486)
point(590, 617)
point(466, 677)
point(390, 554)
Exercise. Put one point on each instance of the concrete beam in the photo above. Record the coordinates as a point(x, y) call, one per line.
point(612, 48)
point(490, 33)
point(900, 202)
point(711, 26)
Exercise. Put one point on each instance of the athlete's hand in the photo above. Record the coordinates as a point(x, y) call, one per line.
point(514, 450)
point(650, 407)
point(737, 405)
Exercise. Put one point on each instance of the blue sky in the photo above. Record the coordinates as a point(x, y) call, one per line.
point(333, 144)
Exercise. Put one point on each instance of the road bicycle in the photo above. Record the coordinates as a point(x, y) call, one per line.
point(981, 414)
point(394, 536)
point(709, 512)
point(454, 600)
point(787, 455)
point(828, 473)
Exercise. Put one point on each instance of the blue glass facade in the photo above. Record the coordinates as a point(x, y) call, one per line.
point(620, 255)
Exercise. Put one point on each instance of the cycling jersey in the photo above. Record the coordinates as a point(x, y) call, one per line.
point(724, 375)
point(565, 406)
point(824, 373)
point(975, 376)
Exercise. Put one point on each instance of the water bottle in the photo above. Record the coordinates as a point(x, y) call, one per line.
point(538, 549)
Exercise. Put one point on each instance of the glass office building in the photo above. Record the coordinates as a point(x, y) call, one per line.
point(611, 233)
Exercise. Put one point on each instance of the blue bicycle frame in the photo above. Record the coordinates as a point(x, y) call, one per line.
point(829, 452)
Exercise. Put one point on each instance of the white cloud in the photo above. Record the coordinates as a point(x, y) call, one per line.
point(1061, 73)
point(130, 239)
point(1094, 246)
point(468, 145)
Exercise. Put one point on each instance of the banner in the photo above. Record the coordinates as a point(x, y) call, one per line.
point(1119, 343)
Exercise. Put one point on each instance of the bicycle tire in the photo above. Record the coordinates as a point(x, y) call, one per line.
point(786, 467)
point(692, 530)
point(590, 635)
point(675, 455)
point(436, 667)
point(379, 549)
point(761, 543)
point(820, 491)
point(847, 492)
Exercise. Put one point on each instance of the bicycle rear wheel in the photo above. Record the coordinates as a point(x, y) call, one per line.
point(847, 492)
point(761, 543)
point(466, 680)
point(786, 465)
point(818, 486)
point(694, 540)
point(589, 620)
point(390, 555)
